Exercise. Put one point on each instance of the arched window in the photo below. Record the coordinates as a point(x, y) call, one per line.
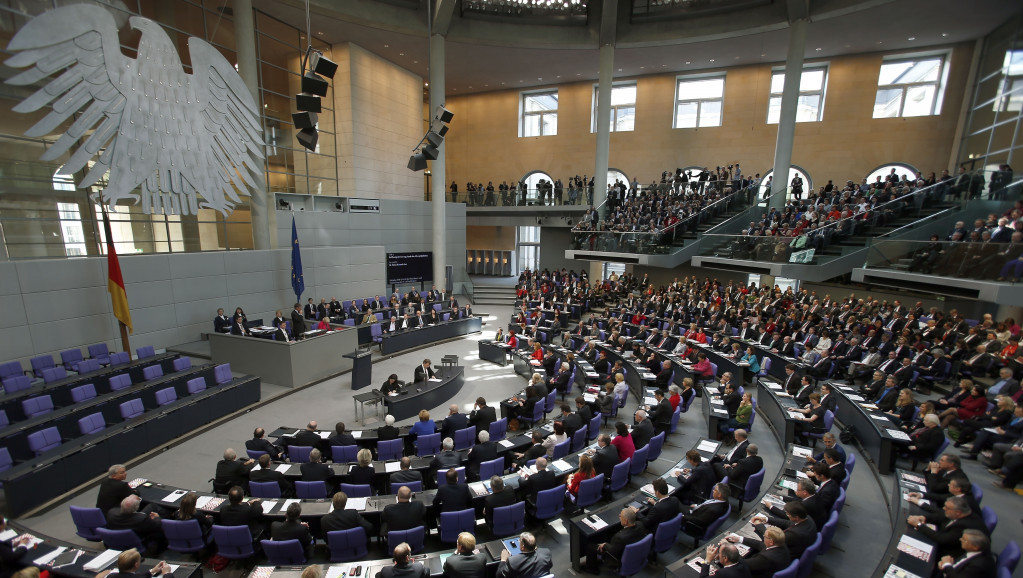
point(531, 179)
point(617, 175)
point(900, 169)
point(793, 171)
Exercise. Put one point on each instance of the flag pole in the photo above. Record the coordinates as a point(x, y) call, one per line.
point(115, 285)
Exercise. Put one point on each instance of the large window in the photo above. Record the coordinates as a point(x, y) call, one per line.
point(1010, 91)
point(698, 101)
point(910, 87)
point(539, 113)
point(793, 171)
point(528, 247)
point(71, 230)
point(812, 85)
point(623, 108)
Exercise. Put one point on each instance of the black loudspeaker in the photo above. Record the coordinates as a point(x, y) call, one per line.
point(443, 130)
point(312, 84)
point(430, 152)
point(444, 115)
point(434, 138)
point(307, 103)
point(417, 162)
point(307, 137)
point(321, 65)
point(304, 119)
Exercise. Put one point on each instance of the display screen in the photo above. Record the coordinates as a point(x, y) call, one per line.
point(409, 267)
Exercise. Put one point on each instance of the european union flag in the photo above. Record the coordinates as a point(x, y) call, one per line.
point(297, 281)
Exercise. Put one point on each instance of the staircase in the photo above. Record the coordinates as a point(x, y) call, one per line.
point(484, 293)
point(683, 239)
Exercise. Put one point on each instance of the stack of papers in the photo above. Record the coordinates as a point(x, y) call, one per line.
point(896, 572)
point(801, 452)
point(392, 466)
point(898, 434)
point(136, 483)
point(595, 522)
point(324, 434)
point(356, 434)
point(707, 446)
point(208, 503)
point(174, 496)
point(915, 548)
point(478, 489)
point(283, 468)
point(102, 560)
point(506, 443)
point(45, 558)
point(356, 504)
point(561, 465)
point(648, 490)
point(261, 572)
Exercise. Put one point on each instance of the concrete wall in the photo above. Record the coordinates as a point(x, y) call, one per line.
point(493, 238)
point(53, 305)
point(847, 144)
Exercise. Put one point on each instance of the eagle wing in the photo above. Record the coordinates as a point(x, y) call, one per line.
point(232, 153)
point(80, 40)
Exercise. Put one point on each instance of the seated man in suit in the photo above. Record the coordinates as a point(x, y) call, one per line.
point(404, 514)
point(113, 488)
point(465, 562)
point(662, 507)
point(403, 566)
point(259, 443)
point(806, 492)
point(453, 422)
point(405, 474)
point(239, 513)
point(231, 471)
point(696, 481)
point(221, 324)
point(500, 498)
point(530, 561)
point(605, 457)
point(538, 482)
point(341, 436)
point(281, 332)
point(315, 470)
point(739, 473)
point(146, 526)
point(773, 557)
point(610, 552)
point(128, 563)
point(424, 371)
point(643, 430)
point(388, 431)
point(947, 535)
point(238, 327)
point(309, 437)
point(266, 473)
point(830, 442)
point(733, 456)
point(533, 452)
point(727, 561)
point(800, 533)
point(453, 496)
point(447, 458)
point(484, 451)
point(697, 520)
point(341, 519)
point(583, 410)
point(292, 528)
point(976, 560)
point(482, 416)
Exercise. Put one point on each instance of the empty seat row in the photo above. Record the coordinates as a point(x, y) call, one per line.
point(73, 360)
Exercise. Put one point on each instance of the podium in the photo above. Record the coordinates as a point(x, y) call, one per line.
point(362, 368)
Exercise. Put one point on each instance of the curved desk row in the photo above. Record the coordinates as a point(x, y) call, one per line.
point(879, 435)
point(426, 394)
point(774, 403)
point(898, 559)
point(35, 481)
point(392, 343)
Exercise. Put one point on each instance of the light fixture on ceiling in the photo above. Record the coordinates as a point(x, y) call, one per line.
point(911, 38)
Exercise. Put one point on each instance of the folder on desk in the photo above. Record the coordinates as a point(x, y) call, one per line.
point(356, 504)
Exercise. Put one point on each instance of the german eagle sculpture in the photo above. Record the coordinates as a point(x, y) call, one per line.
point(176, 136)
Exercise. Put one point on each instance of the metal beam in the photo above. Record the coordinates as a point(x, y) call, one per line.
point(608, 22)
point(798, 9)
point(443, 12)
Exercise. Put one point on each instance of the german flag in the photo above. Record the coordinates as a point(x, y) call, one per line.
point(115, 282)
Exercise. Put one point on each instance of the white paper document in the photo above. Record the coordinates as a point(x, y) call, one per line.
point(506, 443)
point(561, 465)
point(356, 504)
point(595, 522)
point(7, 535)
point(801, 452)
point(898, 434)
point(356, 434)
point(392, 466)
point(46, 558)
point(435, 379)
point(707, 446)
point(102, 560)
point(174, 496)
point(324, 434)
point(283, 468)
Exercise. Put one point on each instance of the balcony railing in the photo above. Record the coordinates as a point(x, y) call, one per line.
point(959, 259)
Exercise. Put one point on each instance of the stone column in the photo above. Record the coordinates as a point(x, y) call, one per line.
point(789, 104)
point(438, 177)
point(245, 40)
point(605, 79)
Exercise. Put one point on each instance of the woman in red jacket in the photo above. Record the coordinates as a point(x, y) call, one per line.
point(972, 406)
point(623, 442)
point(585, 472)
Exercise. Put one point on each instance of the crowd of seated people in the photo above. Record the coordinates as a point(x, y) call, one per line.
point(991, 248)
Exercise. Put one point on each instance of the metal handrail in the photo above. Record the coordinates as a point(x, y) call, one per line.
point(753, 206)
point(725, 199)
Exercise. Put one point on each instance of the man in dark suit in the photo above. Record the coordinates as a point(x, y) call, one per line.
point(424, 371)
point(722, 462)
point(403, 566)
point(700, 481)
point(662, 507)
point(583, 410)
point(791, 383)
point(266, 473)
point(113, 488)
point(239, 513)
point(696, 522)
point(800, 533)
point(610, 553)
point(453, 422)
point(309, 311)
point(605, 457)
point(726, 559)
point(570, 421)
point(405, 514)
point(315, 470)
point(259, 443)
point(128, 564)
point(404, 475)
point(221, 324)
point(298, 326)
point(309, 437)
point(946, 536)
point(533, 452)
point(147, 526)
point(447, 458)
point(452, 496)
point(941, 472)
point(484, 451)
point(482, 416)
point(806, 387)
point(934, 504)
point(976, 560)
point(465, 563)
point(538, 482)
point(281, 332)
point(530, 561)
point(230, 471)
point(827, 489)
point(643, 430)
point(746, 467)
point(660, 414)
point(498, 499)
point(836, 469)
point(341, 436)
point(292, 528)
point(238, 327)
point(773, 557)
point(342, 519)
point(806, 492)
point(388, 431)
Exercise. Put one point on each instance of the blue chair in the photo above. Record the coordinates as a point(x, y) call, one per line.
point(850, 463)
point(829, 420)
point(465, 438)
point(593, 429)
point(414, 537)
point(634, 558)
point(222, 373)
point(579, 439)
point(254, 454)
point(1009, 556)
point(284, 552)
point(344, 454)
point(39, 405)
point(791, 572)
point(120, 539)
point(620, 475)
point(590, 491)
point(120, 358)
point(87, 520)
point(454, 523)
point(428, 445)
point(990, 518)
point(83, 393)
point(442, 476)
point(390, 449)
point(166, 396)
point(537, 417)
point(710, 531)
point(375, 331)
point(828, 532)
point(71, 358)
point(132, 408)
point(152, 372)
point(197, 385)
point(550, 503)
point(654, 447)
point(978, 494)
point(4, 421)
point(233, 542)
point(498, 430)
point(92, 423)
point(40, 364)
point(11, 369)
point(494, 467)
point(6, 462)
point(44, 440)
point(509, 520)
point(182, 364)
point(675, 416)
point(414, 486)
point(840, 502)
point(808, 557)
point(561, 449)
point(16, 383)
point(751, 489)
point(347, 545)
point(355, 490)
point(666, 534)
point(311, 490)
point(184, 536)
point(100, 353)
point(119, 382)
point(549, 402)
point(639, 459)
point(299, 454)
point(52, 374)
point(145, 352)
point(264, 490)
